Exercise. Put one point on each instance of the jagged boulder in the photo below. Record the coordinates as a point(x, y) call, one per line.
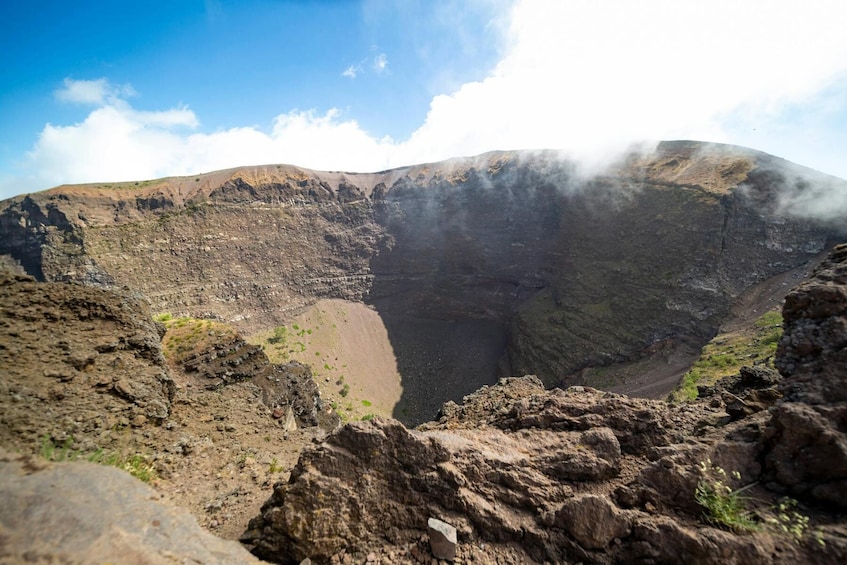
point(594, 521)
point(752, 390)
point(377, 478)
point(442, 539)
point(285, 388)
point(812, 353)
point(523, 403)
point(290, 386)
point(77, 513)
point(541, 476)
point(807, 437)
point(226, 361)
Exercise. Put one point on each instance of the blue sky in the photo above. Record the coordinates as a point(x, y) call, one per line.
point(106, 91)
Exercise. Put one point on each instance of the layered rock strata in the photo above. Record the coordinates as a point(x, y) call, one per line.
point(554, 270)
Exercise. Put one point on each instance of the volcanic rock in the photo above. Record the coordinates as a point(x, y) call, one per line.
point(524, 474)
point(807, 437)
point(546, 472)
point(442, 539)
point(78, 513)
point(97, 353)
point(581, 475)
point(593, 521)
point(752, 390)
point(288, 388)
point(812, 353)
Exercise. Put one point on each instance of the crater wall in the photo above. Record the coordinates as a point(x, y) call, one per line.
point(506, 263)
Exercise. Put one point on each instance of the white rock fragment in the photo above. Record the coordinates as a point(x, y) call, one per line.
point(442, 539)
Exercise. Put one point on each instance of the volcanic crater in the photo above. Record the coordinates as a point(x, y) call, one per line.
point(407, 288)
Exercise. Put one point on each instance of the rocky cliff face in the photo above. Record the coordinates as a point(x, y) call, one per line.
point(807, 436)
point(88, 360)
point(84, 377)
point(578, 475)
point(524, 474)
point(93, 360)
point(519, 257)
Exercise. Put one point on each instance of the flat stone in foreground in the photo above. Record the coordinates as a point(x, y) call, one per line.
point(76, 513)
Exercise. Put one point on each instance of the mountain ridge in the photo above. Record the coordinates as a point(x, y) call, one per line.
point(555, 268)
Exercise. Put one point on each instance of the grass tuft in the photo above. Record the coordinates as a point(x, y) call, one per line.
point(135, 464)
point(723, 505)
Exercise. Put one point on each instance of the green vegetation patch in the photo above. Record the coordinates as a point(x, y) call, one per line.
point(135, 464)
point(723, 505)
point(186, 336)
point(727, 507)
point(279, 337)
point(726, 353)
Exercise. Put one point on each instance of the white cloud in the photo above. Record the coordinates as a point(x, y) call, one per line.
point(586, 77)
point(113, 143)
point(95, 92)
point(351, 71)
point(83, 91)
point(165, 119)
point(380, 64)
point(116, 142)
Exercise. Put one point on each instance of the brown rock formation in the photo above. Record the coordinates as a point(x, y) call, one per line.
point(90, 357)
point(83, 377)
point(807, 437)
point(585, 476)
point(79, 513)
point(564, 476)
point(289, 385)
point(524, 474)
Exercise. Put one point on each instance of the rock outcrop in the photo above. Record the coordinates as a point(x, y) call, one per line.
point(524, 474)
point(752, 390)
point(83, 376)
point(565, 476)
point(90, 357)
point(79, 513)
point(807, 437)
point(580, 475)
point(285, 387)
